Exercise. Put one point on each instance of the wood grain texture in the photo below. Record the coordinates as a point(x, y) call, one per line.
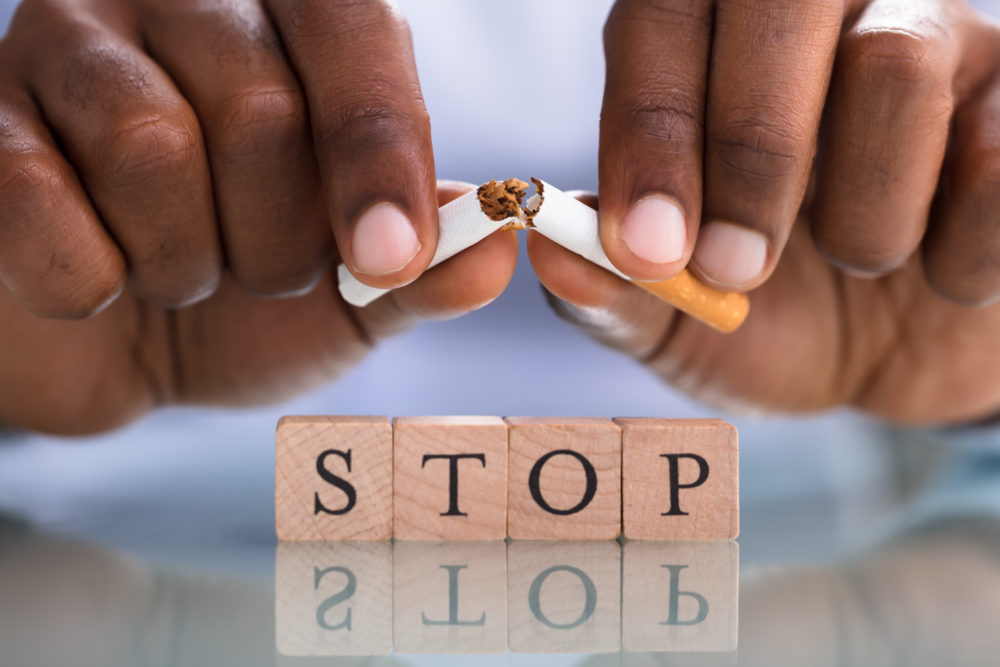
point(549, 495)
point(450, 597)
point(661, 454)
point(333, 599)
point(680, 596)
point(307, 444)
point(427, 505)
point(564, 597)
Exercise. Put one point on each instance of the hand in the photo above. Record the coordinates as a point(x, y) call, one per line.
point(709, 134)
point(206, 154)
point(77, 377)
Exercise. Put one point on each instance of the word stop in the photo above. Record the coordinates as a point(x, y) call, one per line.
point(344, 478)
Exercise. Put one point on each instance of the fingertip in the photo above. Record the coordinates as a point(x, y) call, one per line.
point(385, 247)
point(731, 256)
point(649, 241)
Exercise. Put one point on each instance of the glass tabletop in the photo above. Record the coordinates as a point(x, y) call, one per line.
point(179, 566)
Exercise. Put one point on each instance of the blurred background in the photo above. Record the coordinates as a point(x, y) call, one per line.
point(193, 488)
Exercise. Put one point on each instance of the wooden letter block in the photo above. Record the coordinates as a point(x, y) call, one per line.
point(564, 597)
point(680, 596)
point(680, 479)
point(450, 478)
point(564, 479)
point(450, 597)
point(333, 478)
point(333, 599)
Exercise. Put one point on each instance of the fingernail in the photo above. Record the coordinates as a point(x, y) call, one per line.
point(384, 240)
point(654, 230)
point(729, 254)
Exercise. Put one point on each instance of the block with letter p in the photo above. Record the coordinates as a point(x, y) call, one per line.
point(333, 478)
point(680, 479)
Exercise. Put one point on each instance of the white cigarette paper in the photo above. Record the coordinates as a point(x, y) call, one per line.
point(462, 224)
point(551, 212)
point(570, 223)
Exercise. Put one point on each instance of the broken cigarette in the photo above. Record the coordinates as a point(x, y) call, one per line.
point(568, 222)
point(462, 222)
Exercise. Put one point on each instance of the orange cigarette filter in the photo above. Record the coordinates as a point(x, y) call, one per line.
point(574, 225)
point(724, 311)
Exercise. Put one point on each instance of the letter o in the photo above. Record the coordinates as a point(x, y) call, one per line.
point(535, 592)
point(534, 482)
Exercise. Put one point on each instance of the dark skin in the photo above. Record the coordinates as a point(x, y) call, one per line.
point(882, 255)
point(178, 177)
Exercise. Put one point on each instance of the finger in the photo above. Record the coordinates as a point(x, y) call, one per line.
point(137, 147)
point(885, 134)
point(652, 133)
point(299, 343)
point(607, 308)
point(604, 306)
point(961, 251)
point(231, 67)
point(55, 257)
point(771, 64)
point(371, 131)
point(464, 283)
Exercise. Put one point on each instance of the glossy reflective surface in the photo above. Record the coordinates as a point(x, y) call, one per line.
point(924, 590)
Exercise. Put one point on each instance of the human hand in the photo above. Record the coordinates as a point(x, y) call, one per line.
point(90, 375)
point(167, 165)
point(712, 119)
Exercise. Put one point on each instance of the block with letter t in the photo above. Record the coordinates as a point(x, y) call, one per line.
point(450, 478)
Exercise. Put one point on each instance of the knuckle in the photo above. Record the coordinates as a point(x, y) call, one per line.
point(973, 289)
point(27, 182)
point(145, 149)
point(894, 56)
point(24, 176)
point(332, 22)
point(172, 290)
point(41, 12)
point(858, 253)
point(174, 269)
point(278, 281)
point(760, 146)
point(375, 124)
point(980, 167)
point(97, 74)
point(90, 296)
point(261, 121)
point(662, 120)
point(652, 15)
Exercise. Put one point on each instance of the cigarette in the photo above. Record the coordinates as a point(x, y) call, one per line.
point(573, 225)
point(462, 223)
point(566, 221)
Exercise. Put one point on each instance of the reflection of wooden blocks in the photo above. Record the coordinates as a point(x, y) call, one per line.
point(680, 479)
point(450, 597)
point(450, 478)
point(680, 596)
point(564, 597)
point(333, 599)
point(564, 479)
point(333, 478)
